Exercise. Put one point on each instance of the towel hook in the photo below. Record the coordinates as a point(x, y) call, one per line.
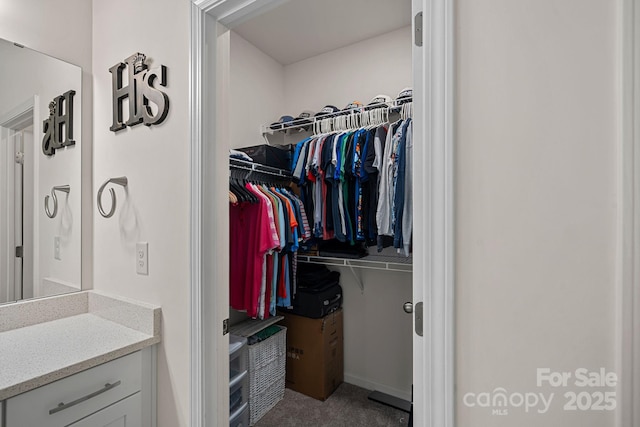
point(123, 181)
point(64, 189)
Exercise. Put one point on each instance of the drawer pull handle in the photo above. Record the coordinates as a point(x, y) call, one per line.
point(62, 406)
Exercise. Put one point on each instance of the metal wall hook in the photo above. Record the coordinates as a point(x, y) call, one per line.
point(123, 181)
point(64, 189)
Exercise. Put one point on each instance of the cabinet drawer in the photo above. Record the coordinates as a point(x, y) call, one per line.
point(81, 394)
point(126, 413)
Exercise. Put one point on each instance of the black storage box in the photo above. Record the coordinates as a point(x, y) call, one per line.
point(269, 155)
point(319, 292)
point(317, 302)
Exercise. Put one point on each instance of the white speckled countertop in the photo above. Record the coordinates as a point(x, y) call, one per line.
point(74, 333)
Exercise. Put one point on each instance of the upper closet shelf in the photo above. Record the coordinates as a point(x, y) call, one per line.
point(344, 119)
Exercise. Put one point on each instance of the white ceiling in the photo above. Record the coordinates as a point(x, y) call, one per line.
point(300, 29)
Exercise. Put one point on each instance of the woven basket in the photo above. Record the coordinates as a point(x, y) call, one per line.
point(267, 369)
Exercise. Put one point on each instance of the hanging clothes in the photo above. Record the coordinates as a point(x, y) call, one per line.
point(267, 224)
point(356, 184)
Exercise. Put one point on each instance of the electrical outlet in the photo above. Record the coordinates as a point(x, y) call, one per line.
point(142, 258)
point(56, 248)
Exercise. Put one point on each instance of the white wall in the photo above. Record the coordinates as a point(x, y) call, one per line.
point(358, 72)
point(63, 30)
point(535, 200)
point(377, 332)
point(257, 92)
point(156, 161)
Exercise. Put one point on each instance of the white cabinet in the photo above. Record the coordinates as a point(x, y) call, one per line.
point(126, 413)
point(116, 393)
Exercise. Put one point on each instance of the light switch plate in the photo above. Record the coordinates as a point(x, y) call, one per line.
point(142, 258)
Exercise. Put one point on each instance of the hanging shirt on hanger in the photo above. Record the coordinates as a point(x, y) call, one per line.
point(253, 237)
point(407, 218)
point(385, 193)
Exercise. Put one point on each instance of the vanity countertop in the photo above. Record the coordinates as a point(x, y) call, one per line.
point(39, 346)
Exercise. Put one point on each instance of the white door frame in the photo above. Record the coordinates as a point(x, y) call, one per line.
point(17, 143)
point(433, 284)
point(11, 122)
point(628, 268)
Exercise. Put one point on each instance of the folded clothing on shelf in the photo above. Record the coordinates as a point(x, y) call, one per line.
point(263, 334)
point(239, 155)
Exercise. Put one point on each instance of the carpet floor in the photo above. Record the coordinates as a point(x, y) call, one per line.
point(348, 406)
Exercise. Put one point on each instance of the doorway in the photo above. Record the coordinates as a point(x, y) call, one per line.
point(17, 157)
point(433, 279)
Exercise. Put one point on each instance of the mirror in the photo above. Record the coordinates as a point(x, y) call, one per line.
point(40, 242)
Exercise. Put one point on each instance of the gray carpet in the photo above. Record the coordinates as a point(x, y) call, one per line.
point(348, 406)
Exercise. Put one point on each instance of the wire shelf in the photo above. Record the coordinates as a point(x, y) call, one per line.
point(372, 261)
point(300, 125)
point(257, 167)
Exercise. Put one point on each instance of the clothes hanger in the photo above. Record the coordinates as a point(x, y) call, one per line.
point(244, 194)
point(234, 188)
point(252, 197)
point(373, 118)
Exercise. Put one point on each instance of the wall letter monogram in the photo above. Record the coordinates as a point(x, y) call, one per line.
point(139, 91)
point(59, 124)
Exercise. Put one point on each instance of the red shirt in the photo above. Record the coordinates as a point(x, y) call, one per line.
point(251, 238)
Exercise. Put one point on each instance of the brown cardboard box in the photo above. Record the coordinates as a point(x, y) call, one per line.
point(315, 354)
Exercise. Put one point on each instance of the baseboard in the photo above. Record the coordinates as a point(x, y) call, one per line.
point(374, 386)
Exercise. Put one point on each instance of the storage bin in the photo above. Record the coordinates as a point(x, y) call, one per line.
point(238, 391)
point(237, 355)
point(238, 381)
point(240, 418)
point(267, 369)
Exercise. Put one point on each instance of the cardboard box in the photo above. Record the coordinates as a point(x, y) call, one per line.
point(315, 354)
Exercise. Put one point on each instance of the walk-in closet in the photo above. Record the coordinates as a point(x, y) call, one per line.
point(295, 62)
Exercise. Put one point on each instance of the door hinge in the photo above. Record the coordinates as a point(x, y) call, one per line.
point(19, 251)
point(225, 326)
point(20, 157)
point(418, 29)
point(419, 321)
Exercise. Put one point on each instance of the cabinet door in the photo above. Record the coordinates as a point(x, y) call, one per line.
point(126, 413)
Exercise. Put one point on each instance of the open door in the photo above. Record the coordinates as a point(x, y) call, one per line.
point(433, 281)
